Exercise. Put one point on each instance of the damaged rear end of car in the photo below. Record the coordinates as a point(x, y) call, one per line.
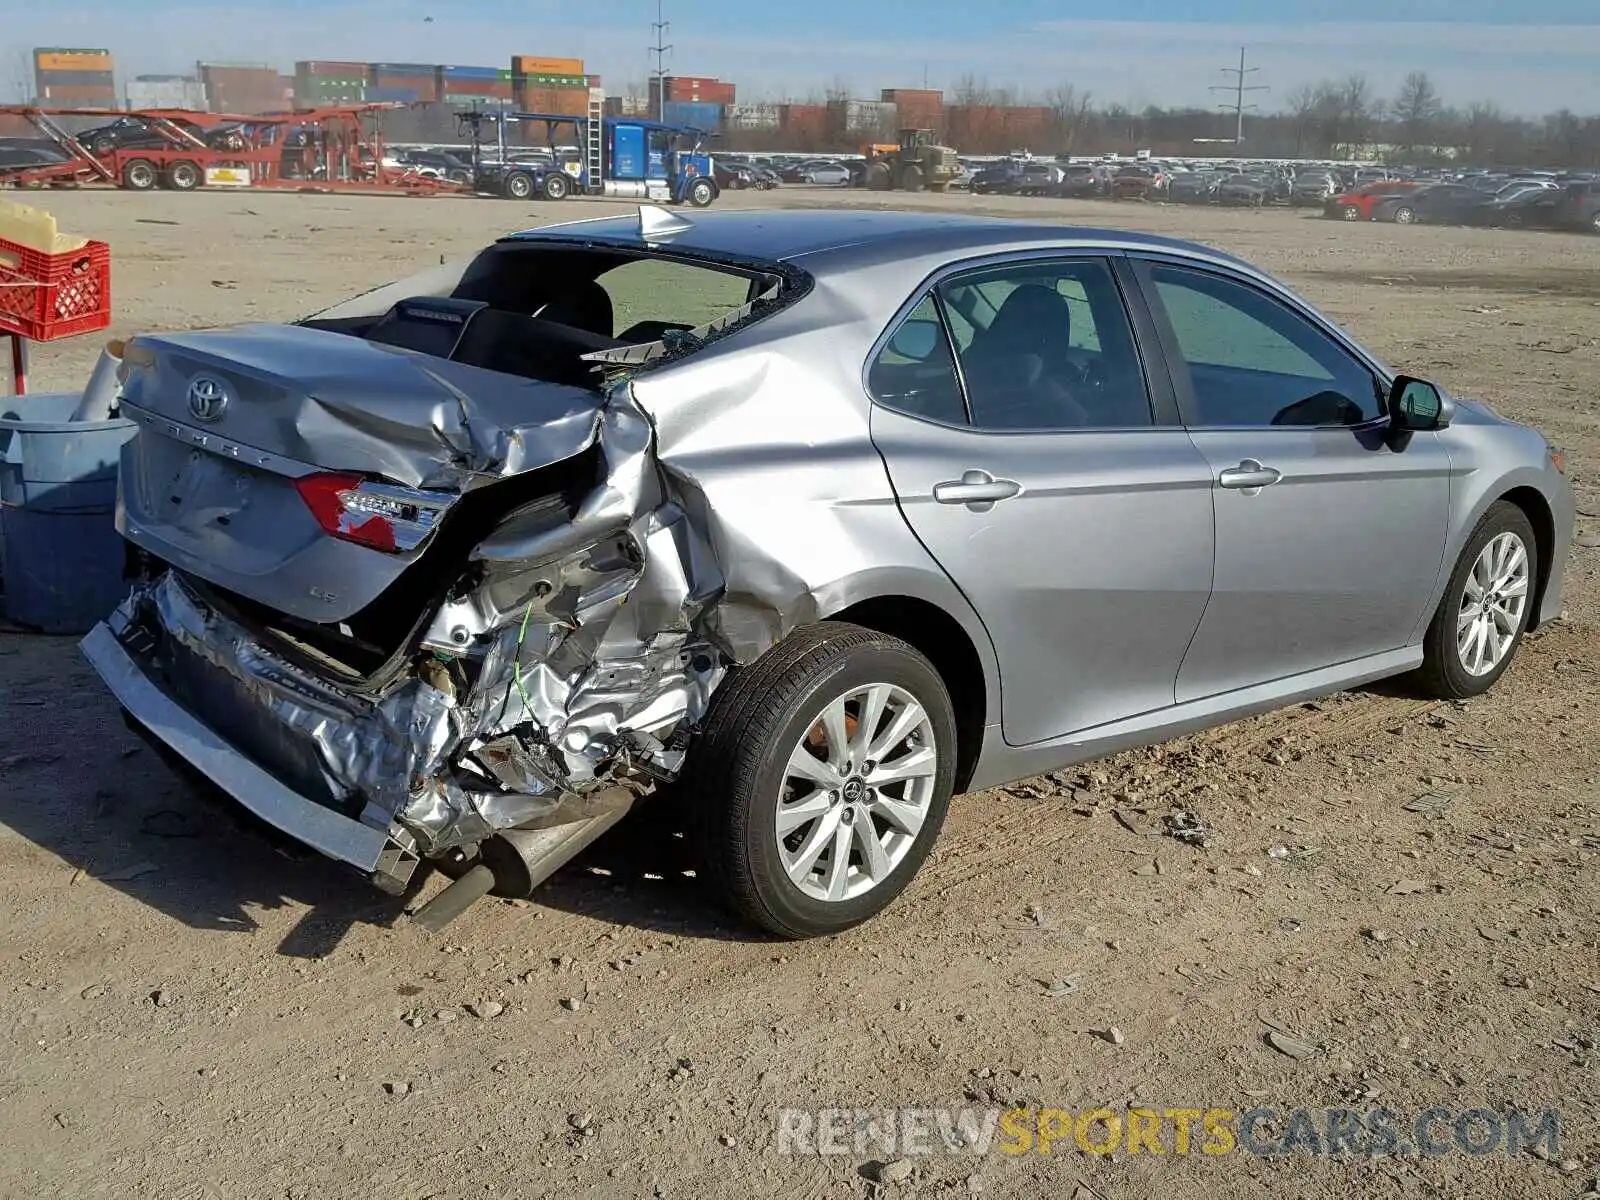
point(411, 581)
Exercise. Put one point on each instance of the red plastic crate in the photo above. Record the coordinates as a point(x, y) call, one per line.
point(48, 296)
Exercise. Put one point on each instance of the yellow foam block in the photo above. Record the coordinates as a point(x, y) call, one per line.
point(35, 229)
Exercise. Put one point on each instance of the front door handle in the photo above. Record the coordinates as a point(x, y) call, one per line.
point(978, 490)
point(1249, 476)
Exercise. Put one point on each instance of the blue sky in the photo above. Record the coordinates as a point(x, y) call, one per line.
point(1530, 57)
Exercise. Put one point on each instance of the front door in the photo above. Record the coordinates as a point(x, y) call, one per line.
point(1015, 419)
point(1330, 532)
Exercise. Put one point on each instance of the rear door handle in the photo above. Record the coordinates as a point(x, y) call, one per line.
point(978, 490)
point(1249, 476)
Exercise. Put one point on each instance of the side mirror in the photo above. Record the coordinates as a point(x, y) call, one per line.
point(1415, 405)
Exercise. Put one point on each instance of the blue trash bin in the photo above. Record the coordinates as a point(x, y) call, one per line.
point(61, 558)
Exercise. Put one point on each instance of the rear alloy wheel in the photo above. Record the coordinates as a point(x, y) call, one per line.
point(1405, 216)
point(1594, 222)
point(702, 192)
point(1479, 623)
point(1351, 213)
point(139, 175)
point(821, 779)
point(556, 186)
point(518, 185)
point(183, 177)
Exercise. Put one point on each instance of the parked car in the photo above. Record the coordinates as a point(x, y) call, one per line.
point(1247, 191)
point(1436, 203)
point(435, 164)
point(1312, 189)
point(1085, 181)
point(733, 176)
point(1357, 205)
point(996, 178)
point(1037, 178)
point(139, 133)
point(1576, 206)
point(831, 174)
point(465, 568)
point(1136, 183)
point(1194, 187)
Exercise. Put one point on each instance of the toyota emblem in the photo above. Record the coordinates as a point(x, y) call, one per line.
point(207, 398)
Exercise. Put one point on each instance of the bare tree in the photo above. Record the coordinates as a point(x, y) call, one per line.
point(1070, 109)
point(839, 89)
point(1352, 101)
point(1416, 110)
point(973, 92)
point(1302, 105)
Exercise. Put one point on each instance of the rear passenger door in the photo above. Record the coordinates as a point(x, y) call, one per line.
point(1035, 460)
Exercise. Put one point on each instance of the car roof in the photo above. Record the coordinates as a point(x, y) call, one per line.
point(787, 235)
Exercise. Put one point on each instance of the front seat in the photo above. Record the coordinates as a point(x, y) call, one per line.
point(1013, 368)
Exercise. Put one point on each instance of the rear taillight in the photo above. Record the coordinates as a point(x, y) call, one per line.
point(383, 516)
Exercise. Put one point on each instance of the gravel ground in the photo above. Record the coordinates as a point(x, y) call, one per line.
point(1400, 894)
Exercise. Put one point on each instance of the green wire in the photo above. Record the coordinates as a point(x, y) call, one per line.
point(521, 636)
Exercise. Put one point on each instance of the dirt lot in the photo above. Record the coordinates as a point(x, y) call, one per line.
point(194, 1013)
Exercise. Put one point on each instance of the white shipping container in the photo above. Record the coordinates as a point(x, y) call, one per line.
point(751, 116)
point(167, 93)
point(869, 116)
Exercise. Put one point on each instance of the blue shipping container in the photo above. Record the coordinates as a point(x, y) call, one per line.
point(403, 68)
point(472, 72)
point(700, 114)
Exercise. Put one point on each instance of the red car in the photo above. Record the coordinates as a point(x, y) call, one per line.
point(1357, 205)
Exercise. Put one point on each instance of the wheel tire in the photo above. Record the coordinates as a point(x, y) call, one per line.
point(1443, 673)
point(518, 185)
point(139, 175)
point(184, 177)
point(738, 766)
point(880, 178)
point(1594, 223)
point(1405, 216)
point(556, 186)
point(102, 146)
point(702, 192)
point(1351, 213)
point(911, 179)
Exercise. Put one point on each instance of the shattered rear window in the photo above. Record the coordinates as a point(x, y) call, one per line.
point(661, 291)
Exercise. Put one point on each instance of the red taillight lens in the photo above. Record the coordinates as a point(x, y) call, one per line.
point(384, 516)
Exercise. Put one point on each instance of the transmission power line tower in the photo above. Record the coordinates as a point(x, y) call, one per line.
point(1238, 87)
point(660, 50)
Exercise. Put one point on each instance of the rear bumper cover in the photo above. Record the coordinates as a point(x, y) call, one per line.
point(384, 854)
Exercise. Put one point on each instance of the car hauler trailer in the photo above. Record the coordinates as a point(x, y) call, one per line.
point(322, 149)
point(618, 156)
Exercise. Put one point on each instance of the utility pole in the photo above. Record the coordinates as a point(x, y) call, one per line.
point(1239, 88)
point(660, 27)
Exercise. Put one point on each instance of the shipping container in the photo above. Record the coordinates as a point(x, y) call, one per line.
point(696, 113)
point(377, 95)
point(79, 97)
point(560, 101)
point(752, 116)
point(912, 96)
point(552, 81)
point(53, 58)
point(403, 68)
point(326, 69)
point(166, 91)
point(527, 64)
point(101, 79)
point(469, 72)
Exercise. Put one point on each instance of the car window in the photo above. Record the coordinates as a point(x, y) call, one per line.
point(1047, 345)
point(1253, 361)
point(674, 294)
point(914, 373)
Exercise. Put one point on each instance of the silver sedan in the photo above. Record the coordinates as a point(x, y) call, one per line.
point(801, 522)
